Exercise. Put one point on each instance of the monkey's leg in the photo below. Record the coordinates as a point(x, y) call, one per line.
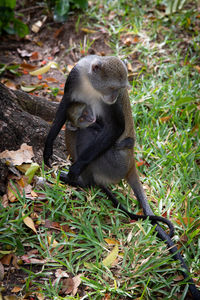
point(127, 143)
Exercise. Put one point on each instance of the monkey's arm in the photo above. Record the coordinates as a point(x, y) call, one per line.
point(111, 130)
point(59, 121)
point(61, 116)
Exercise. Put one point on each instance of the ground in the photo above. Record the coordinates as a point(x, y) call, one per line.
point(65, 44)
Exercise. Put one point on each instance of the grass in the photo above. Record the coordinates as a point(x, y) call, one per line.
point(164, 97)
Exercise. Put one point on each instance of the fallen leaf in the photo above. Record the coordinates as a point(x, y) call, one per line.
point(37, 25)
point(1, 272)
point(53, 243)
point(29, 88)
point(40, 296)
point(20, 156)
point(87, 30)
point(12, 297)
point(29, 223)
point(51, 79)
point(16, 289)
point(4, 201)
point(28, 67)
point(44, 69)
point(60, 273)
point(6, 259)
point(31, 260)
point(34, 194)
point(77, 282)
point(179, 278)
point(24, 53)
point(34, 55)
point(185, 220)
point(165, 119)
point(31, 171)
point(11, 85)
point(140, 163)
point(111, 257)
point(111, 241)
point(67, 286)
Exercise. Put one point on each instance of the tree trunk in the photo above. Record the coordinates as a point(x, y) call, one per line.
point(23, 119)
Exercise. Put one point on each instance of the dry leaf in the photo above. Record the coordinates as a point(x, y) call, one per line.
point(87, 30)
point(77, 282)
point(4, 201)
point(185, 220)
point(36, 26)
point(1, 271)
point(11, 85)
point(39, 296)
point(28, 67)
point(53, 243)
point(29, 223)
point(18, 157)
point(197, 68)
point(16, 289)
point(60, 273)
point(165, 119)
point(6, 259)
point(111, 257)
point(44, 69)
point(67, 286)
point(111, 241)
point(31, 260)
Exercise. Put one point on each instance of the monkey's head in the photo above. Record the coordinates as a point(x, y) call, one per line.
point(108, 75)
point(79, 115)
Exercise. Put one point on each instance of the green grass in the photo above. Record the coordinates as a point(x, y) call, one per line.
point(166, 85)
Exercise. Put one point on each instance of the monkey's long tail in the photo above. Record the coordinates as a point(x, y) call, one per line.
point(139, 193)
point(133, 216)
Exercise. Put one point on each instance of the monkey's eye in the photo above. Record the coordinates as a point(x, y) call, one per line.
point(85, 113)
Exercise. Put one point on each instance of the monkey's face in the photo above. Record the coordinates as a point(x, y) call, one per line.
point(108, 75)
point(86, 118)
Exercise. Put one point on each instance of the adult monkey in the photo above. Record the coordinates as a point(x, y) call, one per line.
point(101, 82)
point(80, 116)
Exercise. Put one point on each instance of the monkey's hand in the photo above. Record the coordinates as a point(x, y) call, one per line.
point(64, 176)
point(48, 151)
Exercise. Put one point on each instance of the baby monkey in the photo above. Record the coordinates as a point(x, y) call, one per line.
point(80, 116)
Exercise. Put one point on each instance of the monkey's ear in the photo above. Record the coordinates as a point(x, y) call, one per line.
point(96, 66)
point(70, 126)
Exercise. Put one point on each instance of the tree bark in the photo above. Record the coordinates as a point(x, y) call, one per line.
point(23, 119)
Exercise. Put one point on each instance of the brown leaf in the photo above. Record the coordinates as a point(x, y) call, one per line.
point(29, 223)
point(165, 119)
point(4, 201)
point(60, 273)
point(16, 289)
point(197, 68)
point(11, 85)
point(51, 79)
point(1, 271)
point(6, 259)
point(20, 156)
point(77, 282)
point(67, 286)
point(34, 55)
point(185, 220)
point(111, 241)
point(28, 67)
point(179, 278)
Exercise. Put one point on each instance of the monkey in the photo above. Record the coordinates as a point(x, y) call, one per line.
point(79, 116)
point(102, 83)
